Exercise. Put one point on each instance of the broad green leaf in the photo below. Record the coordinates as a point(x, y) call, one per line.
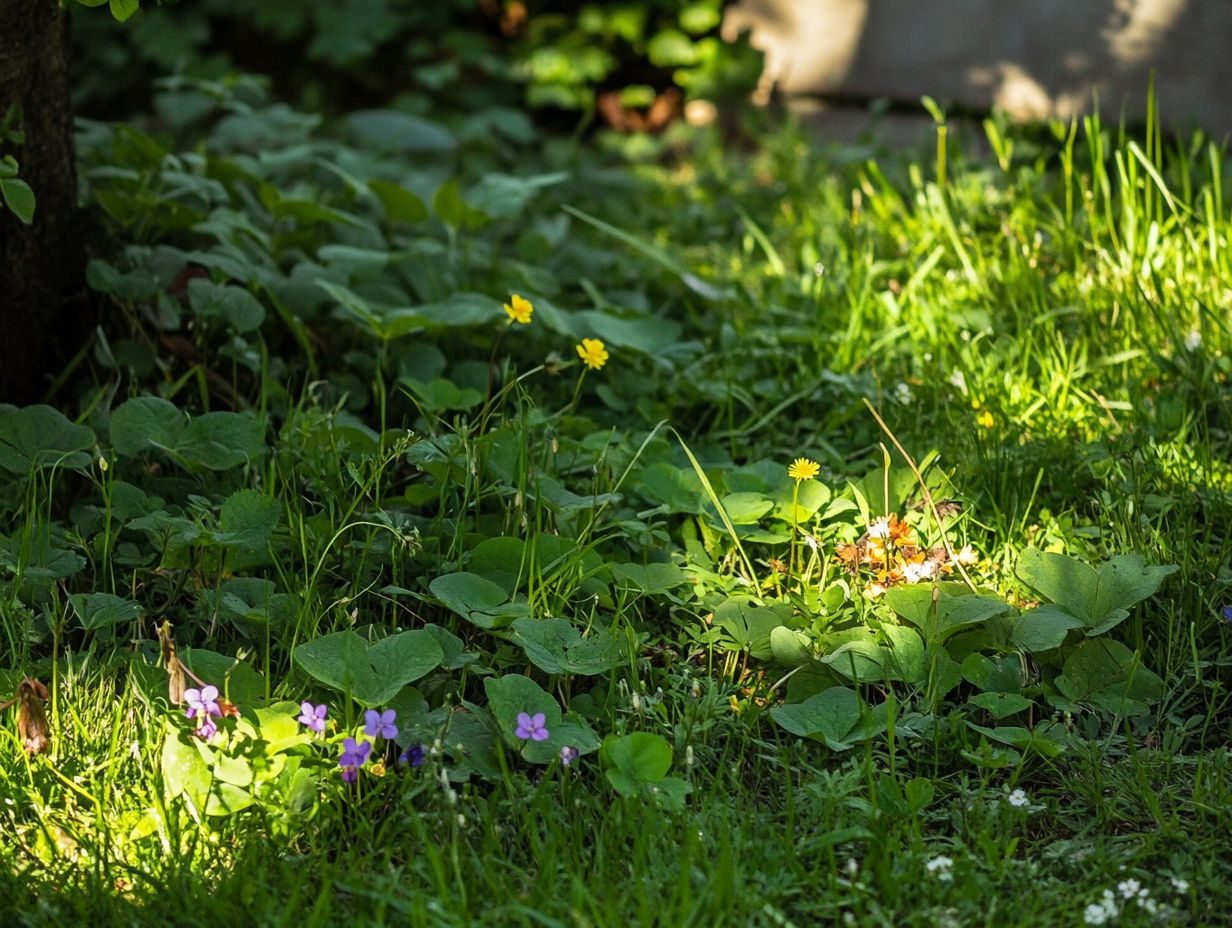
point(392, 130)
point(39, 436)
point(400, 204)
point(185, 772)
point(222, 440)
point(906, 659)
point(448, 206)
point(830, 717)
point(477, 600)
point(748, 626)
point(513, 694)
point(19, 198)
point(123, 9)
point(146, 422)
point(861, 660)
point(746, 508)
point(1109, 676)
point(236, 679)
point(638, 759)
point(650, 579)
point(791, 647)
point(556, 646)
point(1101, 597)
point(103, 610)
point(370, 674)
point(234, 304)
point(956, 608)
point(1043, 628)
point(247, 519)
point(1001, 704)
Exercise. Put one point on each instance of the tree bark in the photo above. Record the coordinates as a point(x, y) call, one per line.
point(44, 313)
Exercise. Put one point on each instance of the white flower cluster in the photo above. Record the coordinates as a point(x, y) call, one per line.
point(1129, 891)
point(940, 867)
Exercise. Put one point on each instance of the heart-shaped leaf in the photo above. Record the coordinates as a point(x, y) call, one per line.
point(830, 716)
point(477, 600)
point(370, 674)
point(556, 646)
point(39, 436)
point(1100, 597)
point(955, 608)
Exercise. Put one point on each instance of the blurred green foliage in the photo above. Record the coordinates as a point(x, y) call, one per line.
point(464, 54)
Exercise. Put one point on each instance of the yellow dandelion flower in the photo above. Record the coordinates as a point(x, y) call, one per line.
point(985, 419)
point(593, 353)
point(803, 469)
point(519, 309)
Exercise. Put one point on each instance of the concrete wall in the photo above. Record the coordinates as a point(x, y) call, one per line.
point(1034, 58)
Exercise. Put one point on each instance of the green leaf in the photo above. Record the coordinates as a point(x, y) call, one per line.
point(650, 579)
point(830, 717)
point(146, 422)
point(1043, 629)
point(222, 440)
point(247, 519)
point(124, 9)
point(236, 679)
point(513, 694)
point(861, 660)
point(40, 436)
point(477, 600)
point(906, 659)
point(556, 646)
point(103, 610)
point(1109, 676)
point(392, 130)
point(956, 608)
point(185, 772)
point(19, 198)
point(234, 304)
point(370, 674)
point(791, 647)
point(400, 204)
point(448, 205)
point(635, 760)
point(748, 626)
point(1001, 704)
point(1101, 597)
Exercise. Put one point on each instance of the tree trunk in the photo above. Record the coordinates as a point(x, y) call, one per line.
point(44, 312)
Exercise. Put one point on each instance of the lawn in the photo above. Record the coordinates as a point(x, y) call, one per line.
point(457, 523)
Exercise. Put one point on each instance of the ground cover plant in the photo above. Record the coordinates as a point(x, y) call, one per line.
point(451, 522)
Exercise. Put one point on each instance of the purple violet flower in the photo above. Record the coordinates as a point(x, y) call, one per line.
point(532, 727)
point(202, 702)
point(568, 755)
point(380, 723)
point(414, 755)
point(1227, 613)
point(313, 716)
point(354, 755)
point(206, 729)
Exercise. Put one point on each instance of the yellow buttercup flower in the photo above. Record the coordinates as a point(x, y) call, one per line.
point(593, 353)
point(803, 469)
point(985, 419)
point(519, 309)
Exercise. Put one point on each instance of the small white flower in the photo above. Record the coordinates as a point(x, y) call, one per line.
point(958, 380)
point(941, 867)
point(914, 573)
point(879, 529)
point(903, 394)
point(1095, 915)
point(1193, 341)
point(1181, 886)
point(1128, 888)
point(1018, 799)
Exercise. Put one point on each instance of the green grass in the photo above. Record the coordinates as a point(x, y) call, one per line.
point(1029, 318)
